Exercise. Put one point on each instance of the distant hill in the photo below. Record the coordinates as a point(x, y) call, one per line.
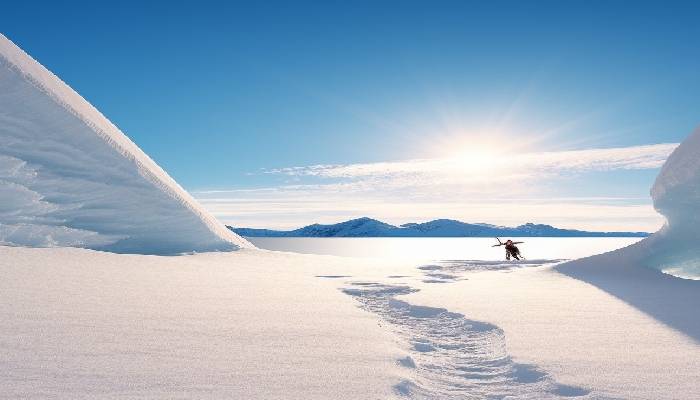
point(368, 227)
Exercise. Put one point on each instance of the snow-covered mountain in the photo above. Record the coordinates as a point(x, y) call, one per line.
point(368, 227)
point(450, 227)
point(69, 177)
point(353, 228)
point(361, 227)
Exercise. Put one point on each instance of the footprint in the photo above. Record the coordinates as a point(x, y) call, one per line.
point(570, 391)
point(404, 388)
point(423, 347)
point(526, 373)
point(407, 362)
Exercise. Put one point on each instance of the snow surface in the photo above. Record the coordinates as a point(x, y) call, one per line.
point(265, 325)
point(69, 177)
point(81, 324)
point(580, 335)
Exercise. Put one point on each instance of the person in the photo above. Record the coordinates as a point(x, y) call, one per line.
point(512, 250)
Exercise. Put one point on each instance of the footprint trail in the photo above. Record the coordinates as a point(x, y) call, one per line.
point(452, 357)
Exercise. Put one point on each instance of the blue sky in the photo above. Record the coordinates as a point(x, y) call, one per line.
point(228, 98)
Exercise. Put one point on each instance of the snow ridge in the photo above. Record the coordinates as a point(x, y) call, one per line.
point(40, 110)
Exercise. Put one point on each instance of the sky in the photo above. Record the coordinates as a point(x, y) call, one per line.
point(282, 114)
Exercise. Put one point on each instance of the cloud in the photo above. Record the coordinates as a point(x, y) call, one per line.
point(469, 187)
point(635, 157)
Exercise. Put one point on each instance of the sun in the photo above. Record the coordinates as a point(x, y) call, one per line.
point(477, 158)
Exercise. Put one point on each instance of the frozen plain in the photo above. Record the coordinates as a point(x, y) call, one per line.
point(80, 323)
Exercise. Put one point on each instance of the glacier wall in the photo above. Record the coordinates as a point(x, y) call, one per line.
point(69, 177)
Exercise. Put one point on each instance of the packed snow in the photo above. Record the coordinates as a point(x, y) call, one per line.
point(69, 177)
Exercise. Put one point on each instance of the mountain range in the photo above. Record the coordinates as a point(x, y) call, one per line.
point(368, 227)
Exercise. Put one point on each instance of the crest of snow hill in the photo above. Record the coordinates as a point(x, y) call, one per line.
point(69, 177)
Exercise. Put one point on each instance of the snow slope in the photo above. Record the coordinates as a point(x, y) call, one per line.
point(69, 177)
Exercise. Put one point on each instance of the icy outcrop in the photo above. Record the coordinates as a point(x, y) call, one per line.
point(69, 177)
point(674, 248)
point(676, 195)
point(676, 191)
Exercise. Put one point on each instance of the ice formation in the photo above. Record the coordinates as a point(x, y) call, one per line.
point(69, 177)
point(674, 248)
point(676, 193)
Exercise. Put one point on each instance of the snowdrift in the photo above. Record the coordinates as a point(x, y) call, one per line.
point(69, 177)
point(669, 255)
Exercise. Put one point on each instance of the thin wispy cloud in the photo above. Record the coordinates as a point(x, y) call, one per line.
point(635, 157)
point(475, 186)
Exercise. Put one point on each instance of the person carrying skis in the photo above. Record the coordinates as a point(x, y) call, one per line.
point(512, 250)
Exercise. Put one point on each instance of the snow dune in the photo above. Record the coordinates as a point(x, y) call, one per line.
point(69, 177)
